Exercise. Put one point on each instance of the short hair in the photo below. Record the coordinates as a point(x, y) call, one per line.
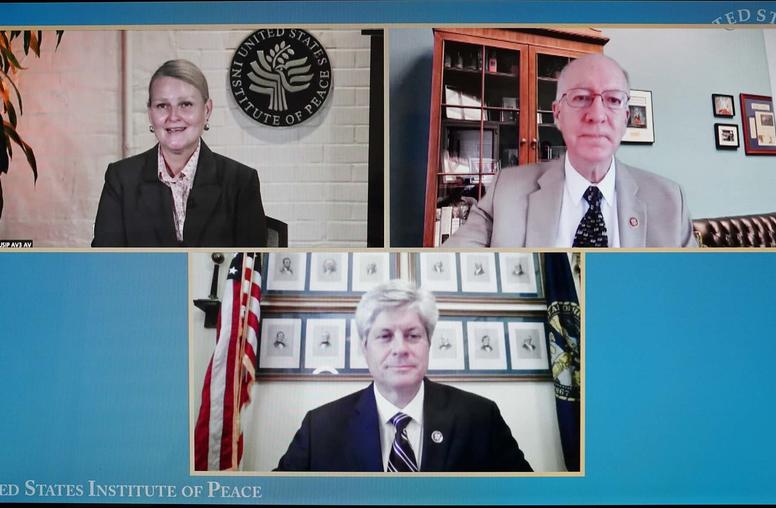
point(393, 295)
point(563, 72)
point(183, 70)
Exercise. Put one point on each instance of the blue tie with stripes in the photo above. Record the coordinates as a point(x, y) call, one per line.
point(401, 459)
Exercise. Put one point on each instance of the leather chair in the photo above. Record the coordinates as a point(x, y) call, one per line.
point(758, 230)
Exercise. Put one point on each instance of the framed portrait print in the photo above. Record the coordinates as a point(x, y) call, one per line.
point(528, 346)
point(324, 345)
point(726, 136)
point(279, 346)
point(286, 271)
point(486, 345)
point(518, 272)
point(438, 271)
point(370, 269)
point(641, 127)
point(447, 351)
point(724, 105)
point(757, 119)
point(478, 272)
point(329, 271)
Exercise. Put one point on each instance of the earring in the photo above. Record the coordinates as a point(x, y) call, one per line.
point(207, 126)
point(151, 128)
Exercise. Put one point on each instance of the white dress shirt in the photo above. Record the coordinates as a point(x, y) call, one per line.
point(386, 411)
point(573, 205)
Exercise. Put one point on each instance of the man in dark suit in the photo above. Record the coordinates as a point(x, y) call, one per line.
point(402, 422)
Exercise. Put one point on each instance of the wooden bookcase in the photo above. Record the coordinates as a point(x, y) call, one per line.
point(491, 107)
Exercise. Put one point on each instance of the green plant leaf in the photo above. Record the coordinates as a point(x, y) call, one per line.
point(16, 90)
point(6, 51)
point(27, 36)
point(4, 160)
point(27, 149)
point(35, 41)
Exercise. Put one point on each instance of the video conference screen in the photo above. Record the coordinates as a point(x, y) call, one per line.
point(325, 253)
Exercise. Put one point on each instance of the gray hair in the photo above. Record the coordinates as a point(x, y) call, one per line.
point(393, 295)
point(183, 70)
point(562, 77)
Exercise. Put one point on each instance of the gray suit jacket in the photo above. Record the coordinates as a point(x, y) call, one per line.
point(522, 209)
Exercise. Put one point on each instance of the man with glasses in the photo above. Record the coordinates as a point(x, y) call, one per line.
point(587, 198)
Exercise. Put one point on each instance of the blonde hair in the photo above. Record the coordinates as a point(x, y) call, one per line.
point(183, 70)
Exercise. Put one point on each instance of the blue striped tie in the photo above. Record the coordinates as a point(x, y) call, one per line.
point(401, 459)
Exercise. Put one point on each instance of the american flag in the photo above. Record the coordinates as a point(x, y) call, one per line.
point(218, 439)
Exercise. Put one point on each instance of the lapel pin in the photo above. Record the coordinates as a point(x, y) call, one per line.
point(437, 437)
point(634, 222)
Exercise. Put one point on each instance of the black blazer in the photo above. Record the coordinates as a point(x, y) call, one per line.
point(223, 210)
point(344, 435)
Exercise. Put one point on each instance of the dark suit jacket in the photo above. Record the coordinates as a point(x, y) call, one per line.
point(344, 435)
point(223, 210)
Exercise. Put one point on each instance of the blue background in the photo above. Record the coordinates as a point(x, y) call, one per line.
point(93, 347)
point(94, 369)
point(373, 11)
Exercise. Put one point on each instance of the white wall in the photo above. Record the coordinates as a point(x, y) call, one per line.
point(72, 120)
point(770, 51)
point(314, 176)
point(278, 407)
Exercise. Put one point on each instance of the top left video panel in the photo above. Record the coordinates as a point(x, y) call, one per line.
point(192, 138)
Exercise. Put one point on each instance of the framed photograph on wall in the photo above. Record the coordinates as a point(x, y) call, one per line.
point(369, 270)
point(286, 271)
point(528, 346)
point(724, 105)
point(280, 342)
point(478, 272)
point(329, 271)
point(641, 127)
point(486, 345)
point(726, 136)
point(324, 345)
point(438, 271)
point(758, 122)
point(518, 272)
point(447, 351)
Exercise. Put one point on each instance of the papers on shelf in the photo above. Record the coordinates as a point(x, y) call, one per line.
point(458, 98)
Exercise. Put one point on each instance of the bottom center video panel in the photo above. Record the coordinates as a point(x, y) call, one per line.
point(386, 362)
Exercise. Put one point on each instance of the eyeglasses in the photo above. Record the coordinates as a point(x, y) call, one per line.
point(580, 98)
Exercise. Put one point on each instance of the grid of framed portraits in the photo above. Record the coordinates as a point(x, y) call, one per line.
point(307, 325)
point(303, 344)
point(326, 272)
point(488, 274)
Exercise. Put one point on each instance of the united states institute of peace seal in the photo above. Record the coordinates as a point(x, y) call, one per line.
point(280, 77)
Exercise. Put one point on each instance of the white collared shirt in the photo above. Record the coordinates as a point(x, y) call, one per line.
point(386, 411)
point(573, 205)
point(180, 185)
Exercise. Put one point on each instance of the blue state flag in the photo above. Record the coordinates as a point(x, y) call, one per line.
point(563, 317)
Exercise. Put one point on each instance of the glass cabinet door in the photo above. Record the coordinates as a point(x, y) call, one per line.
point(549, 143)
point(479, 131)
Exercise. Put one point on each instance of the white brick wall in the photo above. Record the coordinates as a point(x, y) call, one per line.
point(308, 173)
point(312, 176)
